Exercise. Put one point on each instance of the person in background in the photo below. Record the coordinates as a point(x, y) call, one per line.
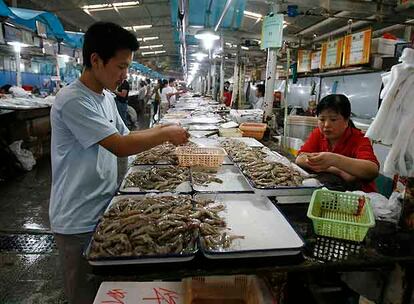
point(164, 100)
point(88, 135)
point(5, 89)
point(121, 100)
point(260, 92)
point(171, 93)
point(227, 94)
point(337, 147)
point(157, 99)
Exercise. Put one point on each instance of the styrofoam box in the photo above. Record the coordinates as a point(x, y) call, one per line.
point(140, 292)
point(383, 46)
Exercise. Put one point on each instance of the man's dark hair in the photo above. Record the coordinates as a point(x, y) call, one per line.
point(171, 80)
point(105, 39)
point(261, 88)
point(148, 81)
point(227, 82)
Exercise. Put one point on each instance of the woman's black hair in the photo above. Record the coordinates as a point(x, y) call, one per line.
point(338, 103)
point(163, 84)
point(105, 39)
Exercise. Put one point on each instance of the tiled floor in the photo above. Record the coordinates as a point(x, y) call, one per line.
point(26, 277)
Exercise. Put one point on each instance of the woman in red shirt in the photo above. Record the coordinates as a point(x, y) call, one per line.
point(338, 147)
point(227, 94)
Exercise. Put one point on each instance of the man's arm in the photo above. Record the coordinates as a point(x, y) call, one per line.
point(123, 93)
point(138, 141)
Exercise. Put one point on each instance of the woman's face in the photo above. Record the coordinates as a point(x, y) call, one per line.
point(332, 124)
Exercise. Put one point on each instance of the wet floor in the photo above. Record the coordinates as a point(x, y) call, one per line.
point(29, 265)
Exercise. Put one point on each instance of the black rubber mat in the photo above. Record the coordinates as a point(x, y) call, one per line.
point(27, 243)
point(329, 249)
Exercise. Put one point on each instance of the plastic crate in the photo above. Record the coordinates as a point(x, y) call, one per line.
point(203, 157)
point(226, 289)
point(251, 129)
point(333, 214)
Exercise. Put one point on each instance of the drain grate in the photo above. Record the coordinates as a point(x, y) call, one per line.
point(329, 249)
point(27, 243)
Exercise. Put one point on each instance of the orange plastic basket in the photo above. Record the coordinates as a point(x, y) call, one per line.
point(252, 129)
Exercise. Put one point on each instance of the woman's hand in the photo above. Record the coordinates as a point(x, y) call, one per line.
point(322, 161)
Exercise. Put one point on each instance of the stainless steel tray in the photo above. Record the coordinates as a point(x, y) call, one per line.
point(266, 231)
point(233, 181)
point(184, 187)
point(129, 260)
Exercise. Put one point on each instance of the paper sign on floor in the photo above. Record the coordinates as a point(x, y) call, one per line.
point(140, 293)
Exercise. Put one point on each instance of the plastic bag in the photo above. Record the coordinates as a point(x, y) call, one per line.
point(24, 156)
point(19, 92)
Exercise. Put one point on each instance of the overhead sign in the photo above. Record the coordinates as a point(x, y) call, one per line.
point(12, 34)
point(357, 48)
point(66, 50)
point(27, 37)
point(41, 29)
point(272, 31)
point(304, 61)
point(332, 54)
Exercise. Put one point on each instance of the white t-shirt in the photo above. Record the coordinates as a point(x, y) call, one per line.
point(165, 91)
point(259, 103)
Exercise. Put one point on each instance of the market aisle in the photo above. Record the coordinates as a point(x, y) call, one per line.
point(29, 265)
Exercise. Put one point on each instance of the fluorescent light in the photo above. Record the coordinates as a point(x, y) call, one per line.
point(244, 48)
point(253, 15)
point(153, 52)
point(106, 6)
point(148, 38)
point(138, 27)
point(151, 46)
point(87, 11)
point(17, 45)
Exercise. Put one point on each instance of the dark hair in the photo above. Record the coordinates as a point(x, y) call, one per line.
point(261, 88)
point(148, 81)
point(6, 88)
point(227, 82)
point(338, 103)
point(163, 84)
point(105, 39)
point(171, 80)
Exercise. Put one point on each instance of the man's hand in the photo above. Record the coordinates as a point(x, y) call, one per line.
point(175, 134)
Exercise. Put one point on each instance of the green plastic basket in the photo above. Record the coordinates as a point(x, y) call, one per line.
point(333, 215)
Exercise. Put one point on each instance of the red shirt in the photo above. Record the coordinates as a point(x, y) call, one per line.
point(227, 95)
point(352, 144)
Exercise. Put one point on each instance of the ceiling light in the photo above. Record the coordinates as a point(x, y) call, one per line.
point(138, 27)
point(153, 52)
point(208, 37)
point(106, 6)
point(148, 38)
point(151, 46)
point(253, 15)
point(244, 48)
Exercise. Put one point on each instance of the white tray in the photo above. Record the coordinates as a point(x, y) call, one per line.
point(205, 127)
point(233, 181)
point(184, 187)
point(206, 142)
point(266, 231)
point(172, 258)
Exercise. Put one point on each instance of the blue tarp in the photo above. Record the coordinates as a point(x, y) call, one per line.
point(28, 18)
point(145, 70)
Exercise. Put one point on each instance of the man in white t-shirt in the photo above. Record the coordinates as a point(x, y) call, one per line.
point(88, 135)
point(170, 93)
point(260, 91)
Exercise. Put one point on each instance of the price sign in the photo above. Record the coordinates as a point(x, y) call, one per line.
point(304, 61)
point(357, 48)
point(316, 60)
point(272, 31)
point(332, 54)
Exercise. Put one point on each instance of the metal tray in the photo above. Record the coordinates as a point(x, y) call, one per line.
point(267, 232)
point(249, 141)
point(184, 187)
point(129, 260)
point(205, 127)
point(233, 181)
point(201, 134)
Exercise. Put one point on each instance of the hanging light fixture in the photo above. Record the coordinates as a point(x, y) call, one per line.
point(207, 37)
